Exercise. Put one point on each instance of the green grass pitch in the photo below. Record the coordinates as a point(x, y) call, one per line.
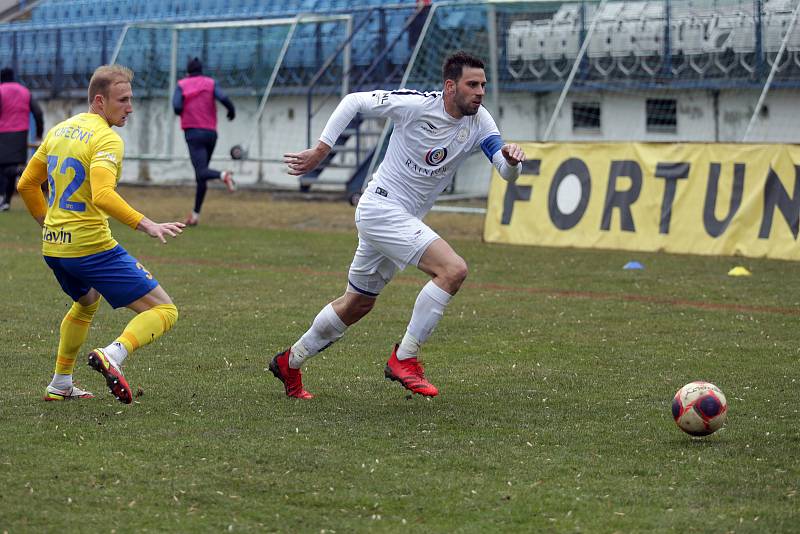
point(556, 370)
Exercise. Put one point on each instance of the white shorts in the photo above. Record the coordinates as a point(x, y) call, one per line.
point(389, 239)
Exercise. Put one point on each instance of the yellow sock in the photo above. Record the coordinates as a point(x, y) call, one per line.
point(148, 326)
point(74, 329)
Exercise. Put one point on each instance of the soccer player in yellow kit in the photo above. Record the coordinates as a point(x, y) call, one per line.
point(81, 159)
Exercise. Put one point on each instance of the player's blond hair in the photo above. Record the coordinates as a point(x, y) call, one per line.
point(105, 76)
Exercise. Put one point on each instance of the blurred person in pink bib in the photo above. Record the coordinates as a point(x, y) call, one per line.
point(194, 101)
point(16, 106)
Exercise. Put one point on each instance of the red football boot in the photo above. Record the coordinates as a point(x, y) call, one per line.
point(115, 380)
point(409, 373)
point(227, 179)
point(292, 378)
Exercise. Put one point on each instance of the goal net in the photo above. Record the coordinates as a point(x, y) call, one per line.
point(264, 67)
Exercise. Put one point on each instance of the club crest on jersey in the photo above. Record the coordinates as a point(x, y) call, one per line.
point(462, 134)
point(435, 156)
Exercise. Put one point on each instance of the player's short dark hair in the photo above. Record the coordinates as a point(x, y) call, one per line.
point(194, 66)
point(105, 76)
point(7, 75)
point(453, 66)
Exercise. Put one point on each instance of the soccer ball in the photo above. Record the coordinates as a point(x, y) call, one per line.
point(699, 408)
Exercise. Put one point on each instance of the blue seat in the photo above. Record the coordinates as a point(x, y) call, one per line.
point(6, 48)
point(294, 54)
point(123, 11)
point(68, 63)
point(45, 14)
point(214, 60)
point(37, 65)
point(363, 48)
point(307, 6)
point(81, 48)
point(209, 8)
point(38, 40)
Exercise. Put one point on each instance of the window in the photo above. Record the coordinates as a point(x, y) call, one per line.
point(586, 116)
point(662, 115)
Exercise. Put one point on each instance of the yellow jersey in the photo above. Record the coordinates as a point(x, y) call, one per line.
point(74, 226)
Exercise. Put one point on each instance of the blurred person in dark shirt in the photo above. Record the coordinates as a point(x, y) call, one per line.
point(194, 101)
point(16, 105)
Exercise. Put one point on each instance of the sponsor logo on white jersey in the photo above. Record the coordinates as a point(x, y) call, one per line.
point(428, 126)
point(435, 156)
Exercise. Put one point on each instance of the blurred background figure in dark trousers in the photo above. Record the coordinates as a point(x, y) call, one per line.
point(16, 105)
point(194, 101)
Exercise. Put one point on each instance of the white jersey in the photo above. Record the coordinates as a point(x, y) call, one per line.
point(426, 147)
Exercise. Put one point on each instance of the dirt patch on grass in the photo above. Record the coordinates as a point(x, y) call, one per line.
point(263, 209)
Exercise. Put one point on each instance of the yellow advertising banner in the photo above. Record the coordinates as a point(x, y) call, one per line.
point(720, 199)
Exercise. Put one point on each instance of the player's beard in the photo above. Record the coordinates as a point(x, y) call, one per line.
point(465, 106)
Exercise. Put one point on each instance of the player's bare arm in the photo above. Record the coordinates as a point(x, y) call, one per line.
point(104, 196)
point(160, 230)
point(513, 154)
point(306, 161)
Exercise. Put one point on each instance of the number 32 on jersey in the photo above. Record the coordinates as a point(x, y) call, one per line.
point(69, 167)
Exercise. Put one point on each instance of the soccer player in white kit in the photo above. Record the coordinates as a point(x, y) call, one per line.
point(433, 133)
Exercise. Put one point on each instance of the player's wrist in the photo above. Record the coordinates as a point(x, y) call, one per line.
point(145, 225)
point(322, 148)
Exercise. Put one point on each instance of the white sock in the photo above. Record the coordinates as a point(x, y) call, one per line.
point(326, 328)
point(409, 347)
point(61, 381)
point(428, 311)
point(117, 352)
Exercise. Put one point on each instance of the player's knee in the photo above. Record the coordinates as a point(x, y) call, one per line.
point(362, 306)
point(457, 272)
point(169, 314)
point(173, 314)
point(84, 313)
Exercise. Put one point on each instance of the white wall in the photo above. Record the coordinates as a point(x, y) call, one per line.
point(525, 116)
point(156, 150)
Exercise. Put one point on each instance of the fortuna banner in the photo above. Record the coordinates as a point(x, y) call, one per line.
point(695, 198)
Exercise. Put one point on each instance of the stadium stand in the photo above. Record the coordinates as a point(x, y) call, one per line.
point(648, 51)
point(635, 41)
point(41, 47)
point(710, 44)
